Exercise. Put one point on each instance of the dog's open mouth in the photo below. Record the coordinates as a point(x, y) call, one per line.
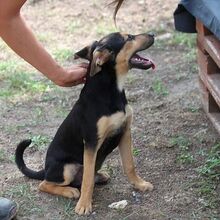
point(139, 62)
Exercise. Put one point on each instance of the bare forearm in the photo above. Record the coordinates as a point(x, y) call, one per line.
point(18, 36)
point(15, 32)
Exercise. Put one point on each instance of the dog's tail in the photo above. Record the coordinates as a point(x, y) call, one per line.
point(39, 175)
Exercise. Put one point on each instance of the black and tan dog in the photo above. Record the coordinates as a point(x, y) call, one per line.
point(98, 123)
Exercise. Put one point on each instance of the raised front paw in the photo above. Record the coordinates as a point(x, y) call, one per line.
point(83, 207)
point(143, 186)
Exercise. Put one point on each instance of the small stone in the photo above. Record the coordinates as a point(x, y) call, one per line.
point(164, 36)
point(118, 205)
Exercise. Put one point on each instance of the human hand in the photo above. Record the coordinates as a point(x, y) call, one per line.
point(72, 76)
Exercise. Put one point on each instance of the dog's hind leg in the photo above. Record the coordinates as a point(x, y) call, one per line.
point(101, 178)
point(61, 188)
point(125, 149)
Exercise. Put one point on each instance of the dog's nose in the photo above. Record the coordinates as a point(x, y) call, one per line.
point(151, 34)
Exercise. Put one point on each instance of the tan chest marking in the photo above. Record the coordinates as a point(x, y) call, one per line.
point(108, 125)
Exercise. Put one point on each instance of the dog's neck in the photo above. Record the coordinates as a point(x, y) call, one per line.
point(102, 90)
point(108, 76)
point(105, 80)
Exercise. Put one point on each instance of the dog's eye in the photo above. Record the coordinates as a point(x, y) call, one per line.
point(130, 37)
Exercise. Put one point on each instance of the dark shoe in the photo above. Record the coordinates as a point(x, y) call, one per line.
point(8, 209)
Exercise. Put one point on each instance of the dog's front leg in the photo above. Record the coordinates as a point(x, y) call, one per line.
point(125, 149)
point(84, 205)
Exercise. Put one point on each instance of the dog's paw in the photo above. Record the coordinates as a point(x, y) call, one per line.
point(101, 177)
point(143, 186)
point(71, 193)
point(83, 208)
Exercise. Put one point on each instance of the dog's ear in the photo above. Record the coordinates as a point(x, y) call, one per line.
point(86, 52)
point(100, 56)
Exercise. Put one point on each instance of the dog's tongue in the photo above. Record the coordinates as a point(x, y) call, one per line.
point(141, 63)
point(149, 62)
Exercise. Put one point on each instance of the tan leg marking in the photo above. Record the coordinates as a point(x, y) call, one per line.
point(62, 189)
point(53, 188)
point(125, 149)
point(84, 205)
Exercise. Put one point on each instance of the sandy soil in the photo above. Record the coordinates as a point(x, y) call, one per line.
point(159, 116)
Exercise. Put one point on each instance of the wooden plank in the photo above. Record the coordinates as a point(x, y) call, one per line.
point(212, 83)
point(201, 29)
point(206, 63)
point(212, 46)
point(208, 57)
point(213, 116)
point(200, 45)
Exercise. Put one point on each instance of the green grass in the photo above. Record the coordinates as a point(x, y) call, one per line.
point(22, 193)
point(209, 178)
point(102, 28)
point(40, 142)
point(211, 168)
point(43, 37)
point(67, 207)
point(178, 39)
point(136, 151)
point(7, 67)
point(193, 109)
point(183, 39)
point(63, 54)
point(15, 80)
point(184, 156)
point(159, 88)
point(2, 155)
point(74, 26)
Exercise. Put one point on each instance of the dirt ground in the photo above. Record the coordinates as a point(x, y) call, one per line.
point(166, 103)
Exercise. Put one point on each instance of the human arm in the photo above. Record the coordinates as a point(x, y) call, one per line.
point(15, 32)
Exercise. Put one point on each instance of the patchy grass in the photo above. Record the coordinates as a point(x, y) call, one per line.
point(7, 67)
point(159, 88)
point(23, 192)
point(40, 142)
point(183, 39)
point(102, 28)
point(211, 167)
point(136, 151)
point(67, 204)
point(63, 54)
point(188, 41)
point(193, 109)
point(74, 26)
point(209, 178)
point(17, 81)
point(184, 156)
point(2, 155)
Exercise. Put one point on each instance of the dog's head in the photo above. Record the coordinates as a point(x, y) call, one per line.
point(118, 51)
